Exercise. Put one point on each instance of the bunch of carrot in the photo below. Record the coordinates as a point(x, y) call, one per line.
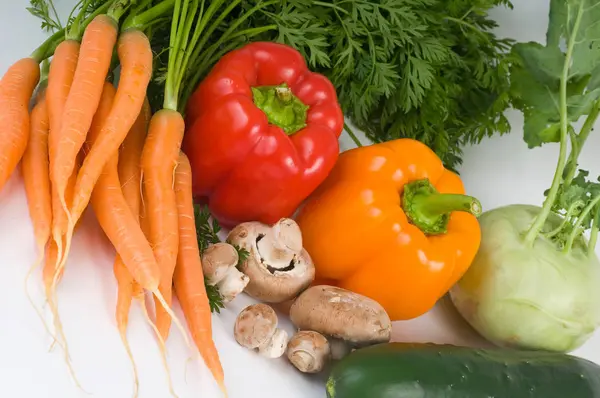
point(88, 142)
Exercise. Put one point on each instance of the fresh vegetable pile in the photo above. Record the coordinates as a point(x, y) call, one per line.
point(171, 118)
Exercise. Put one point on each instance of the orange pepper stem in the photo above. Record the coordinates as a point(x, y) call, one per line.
point(430, 210)
point(281, 106)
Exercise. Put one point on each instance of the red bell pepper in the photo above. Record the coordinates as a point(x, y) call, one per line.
point(262, 134)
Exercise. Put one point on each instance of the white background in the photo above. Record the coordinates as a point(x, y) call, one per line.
point(499, 171)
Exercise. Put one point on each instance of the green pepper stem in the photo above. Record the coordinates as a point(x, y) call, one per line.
point(282, 107)
point(430, 210)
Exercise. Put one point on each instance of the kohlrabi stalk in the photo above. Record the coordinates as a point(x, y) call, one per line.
point(580, 210)
point(540, 220)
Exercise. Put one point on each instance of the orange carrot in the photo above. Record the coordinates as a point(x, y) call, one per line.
point(135, 56)
point(60, 79)
point(35, 176)
point(92, 68)
point(129, 175)
point(34, 166)
point(16, 89)
point(159, 160)
point(189, 278)
point(122, 228)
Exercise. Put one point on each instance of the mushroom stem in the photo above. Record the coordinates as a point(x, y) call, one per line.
point(275, 346)
point(233, 283)
point(288, 235)
point(339, 348)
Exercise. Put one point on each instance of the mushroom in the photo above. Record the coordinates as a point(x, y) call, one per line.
point(347, 319)
point(219, 265)
point(308, 351)
point(256, 329)
point(277, 265)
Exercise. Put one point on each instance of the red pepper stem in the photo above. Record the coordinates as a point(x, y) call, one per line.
point(282, 107)
point(430, 210)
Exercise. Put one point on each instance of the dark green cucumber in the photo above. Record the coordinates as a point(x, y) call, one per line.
point(399, 370)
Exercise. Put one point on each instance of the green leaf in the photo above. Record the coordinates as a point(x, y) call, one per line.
point(557, 24)
point(544, 63)
point(586, 49)
point(538, 129)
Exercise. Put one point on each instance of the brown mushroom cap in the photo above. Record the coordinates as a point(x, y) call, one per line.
point(308, 351)
point(278, 268)
point(255, 325)
point(341, 314)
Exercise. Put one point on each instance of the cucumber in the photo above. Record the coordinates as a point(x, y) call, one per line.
point(401, 370)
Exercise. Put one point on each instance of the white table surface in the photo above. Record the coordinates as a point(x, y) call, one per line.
point(492, 172)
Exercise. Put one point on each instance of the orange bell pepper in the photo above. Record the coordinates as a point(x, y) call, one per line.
point(391, 223)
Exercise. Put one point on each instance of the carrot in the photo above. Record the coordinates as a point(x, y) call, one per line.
point(92, 68)
point(122, 228)
point(189, 278)
point(129, 175)
point(135, 56)
point(60, 79)
point(16, 89)
point(159, 160)
point(34, 166)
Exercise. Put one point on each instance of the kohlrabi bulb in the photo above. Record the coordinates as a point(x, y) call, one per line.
point(529, 297)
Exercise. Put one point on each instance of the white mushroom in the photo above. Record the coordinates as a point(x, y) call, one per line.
point(278, 267)
point(256, 329)
point(219, 265)
point(343, 317)
point(308, 351)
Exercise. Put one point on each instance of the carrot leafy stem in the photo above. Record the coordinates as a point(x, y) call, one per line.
point(45, 10)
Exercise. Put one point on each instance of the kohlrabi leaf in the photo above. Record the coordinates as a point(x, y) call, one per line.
point(538, 129)
point(586, 49)
point(564, 21)
point(544, 63)
point(535, 81)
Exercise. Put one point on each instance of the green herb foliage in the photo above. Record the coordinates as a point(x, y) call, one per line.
point(554, 85)
point(426, 69)
point(207, 230)
point(45, 10)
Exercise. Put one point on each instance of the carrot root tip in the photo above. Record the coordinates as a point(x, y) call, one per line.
point(162, 348)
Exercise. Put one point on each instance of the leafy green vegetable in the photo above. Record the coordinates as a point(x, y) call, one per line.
point(554, 88)
point(427, 69)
